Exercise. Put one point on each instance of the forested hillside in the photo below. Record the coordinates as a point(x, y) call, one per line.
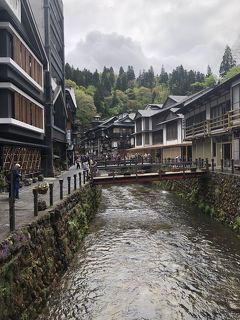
point(107, 93)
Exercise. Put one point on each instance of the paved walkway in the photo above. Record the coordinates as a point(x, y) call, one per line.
point(24, 206)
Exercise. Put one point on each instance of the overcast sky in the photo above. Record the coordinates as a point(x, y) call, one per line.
point(141, 33)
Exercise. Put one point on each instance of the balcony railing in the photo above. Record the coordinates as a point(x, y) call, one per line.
point(200, 128)
point(225, 122)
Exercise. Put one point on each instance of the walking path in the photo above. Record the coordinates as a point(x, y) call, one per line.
point(24, 208)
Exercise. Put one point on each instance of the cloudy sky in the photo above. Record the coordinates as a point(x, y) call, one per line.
point(142, 33)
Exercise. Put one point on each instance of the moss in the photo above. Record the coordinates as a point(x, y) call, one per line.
point(34, 257)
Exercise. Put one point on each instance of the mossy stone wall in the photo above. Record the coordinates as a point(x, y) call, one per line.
point(33, 258)
point(215, 193)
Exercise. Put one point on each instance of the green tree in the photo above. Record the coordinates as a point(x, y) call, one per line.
point(70, 84)
point(209, 71)
point(232, 72)
point(86, 109)
point(68, 71)
point(227, 62)
point(160, 93)
point(163, 77)
point(143, 96)
point(96, 79)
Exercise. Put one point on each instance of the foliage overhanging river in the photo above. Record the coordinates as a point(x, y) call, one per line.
point(149, 255)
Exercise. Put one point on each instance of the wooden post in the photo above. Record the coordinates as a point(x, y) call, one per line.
point(84, 177)
point(212, 165)
point(196, 162)
point(80, 179)
point(69, 185)
point(51, 194)
point(35, 201)
point(75, 182)
point(160, 171)
point(12, 206)
point(200, 163)
point(221, 165)
point(183, 168)
point(61, 188)
point(207, 166)
point(232, 162)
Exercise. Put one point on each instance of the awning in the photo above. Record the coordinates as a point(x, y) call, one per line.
point(20, 143)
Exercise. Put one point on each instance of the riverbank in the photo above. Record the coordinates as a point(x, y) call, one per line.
point(33, 258)
point(217, 194)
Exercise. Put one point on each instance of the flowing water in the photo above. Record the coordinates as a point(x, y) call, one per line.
point(149, 255)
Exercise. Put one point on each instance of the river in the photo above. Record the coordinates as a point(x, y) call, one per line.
point(149, 256)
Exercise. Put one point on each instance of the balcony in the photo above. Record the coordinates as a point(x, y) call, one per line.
point(223, 123)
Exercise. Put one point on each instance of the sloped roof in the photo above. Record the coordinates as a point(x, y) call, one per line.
point(153, 106)
point(72, 95)
point(147, 113)
point(177, 98)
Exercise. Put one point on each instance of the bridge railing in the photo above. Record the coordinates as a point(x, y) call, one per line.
point(129, 167)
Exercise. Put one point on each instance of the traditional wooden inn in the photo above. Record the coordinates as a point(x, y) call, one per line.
point(50, 21)
point(159, 131)
point(32, 94)
point(22, 64)
point(109, 137)
point(212, 119)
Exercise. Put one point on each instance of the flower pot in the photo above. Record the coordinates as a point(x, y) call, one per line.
point(42, 191)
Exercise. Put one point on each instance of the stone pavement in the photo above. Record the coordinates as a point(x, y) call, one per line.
point(24, 208)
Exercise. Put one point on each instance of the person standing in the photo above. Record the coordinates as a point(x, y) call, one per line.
point(16, 177)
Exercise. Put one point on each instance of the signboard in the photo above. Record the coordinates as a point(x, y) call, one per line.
point(68, 136)
point(15, 6)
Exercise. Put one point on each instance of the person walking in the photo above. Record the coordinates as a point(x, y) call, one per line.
point(78, 163)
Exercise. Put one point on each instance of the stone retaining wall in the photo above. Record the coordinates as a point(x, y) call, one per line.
point(216, 194)
point(33, 258)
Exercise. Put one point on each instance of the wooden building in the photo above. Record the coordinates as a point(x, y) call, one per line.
point(109, 137)
point(212, 119)
point(159, 131)
point(71, 127)
point(22, 100)
point(50, 22)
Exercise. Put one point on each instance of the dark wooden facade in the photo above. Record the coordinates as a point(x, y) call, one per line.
point(22, 100)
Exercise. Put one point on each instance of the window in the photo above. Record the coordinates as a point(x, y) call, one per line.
point(23, 57)
point(172, 131)
point(236, 97)
point(27, 112)
point(139, 140)
point(146, 138)
point(214, 149)
point(197, 118)
point(158, 137)
point(147, 124)
point(139, 125)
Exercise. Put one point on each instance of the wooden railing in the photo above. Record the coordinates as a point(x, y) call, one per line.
point(227, 121)
point(200, 128)
point(234, 118)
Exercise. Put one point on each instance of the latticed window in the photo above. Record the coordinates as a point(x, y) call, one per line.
point(172, 131)
point(158, 137)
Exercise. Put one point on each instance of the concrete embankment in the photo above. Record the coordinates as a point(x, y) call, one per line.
point(34, 257)
point(215, 193)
